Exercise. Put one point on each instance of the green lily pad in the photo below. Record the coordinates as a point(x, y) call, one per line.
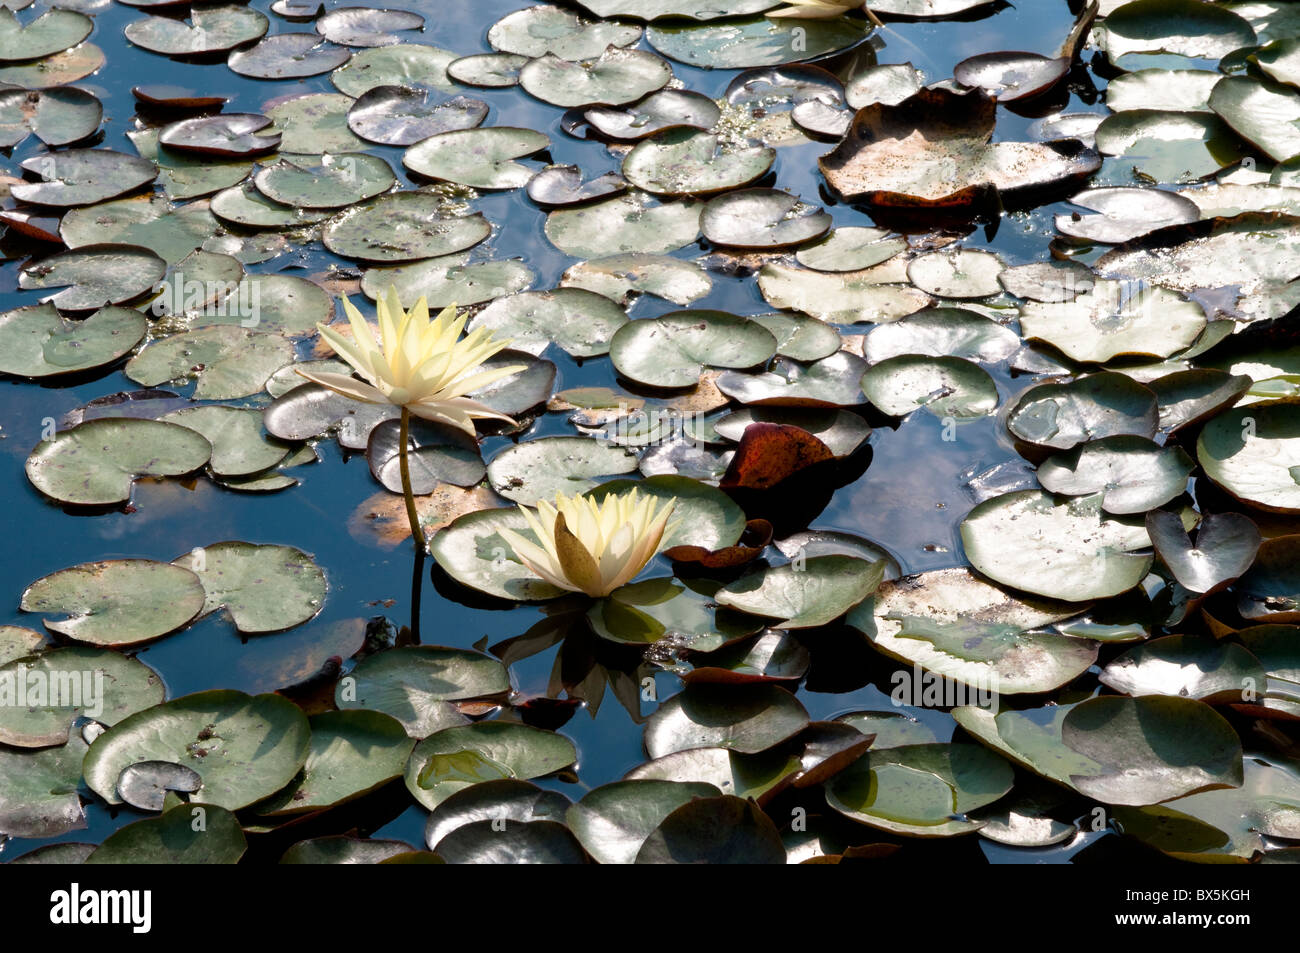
point(1123, 214)
point(36, 341)
point(399, 116)
point(415, 684)
point(1170, 90)
point(1185, 666)
point(673, 349)
point(1226, 544)
point(1167, 146)
point(762, 218)
point(245, 747)
point(1060, 548)
point(325, 181)
point(52, 32)
point(1253, 452)
point(625, 277)
point(746, 719)
point(821, 591)
point(450, 280)
point(55, 70)
point(287, 56)
point(317, 122)
point(643, 613)
point(545, 28)
point(49, 692)
point(366, 26)
point(95, 463)
point(437, 454)
point(714, 830)
point(228, 362)
point(453, 759)
point(850, 249)
point(245, 206)
point(402, 227)
point(502, 800)
point(942, 332)
point(775, 656)
point(508, 841)
point(830, 382)
point(1280, 60)
point(1132, 474)
point(945, 386)
point(1270, 590)
point(842, 298)
point(754, 41)
point(479, 158)
point(580, 322)
point(800, 338)
point(176, 837)
point(17, 641)
point(691, 162)
point(1047, 280)
point(920, 790)
point(539, 469)
point(658, 112)
point(1264, 113)
point(615, 77)
point(614, 820)
point(210, 30)
point(263, 588)
point(491, 70)
point(1183, 27)
point(58, 117)
point(38, 791)
point(957, 273)
point(632, 223)
point(351, 752)
point(705, 516)
point(238, 445)
point(413, 65)
point(472, 551)
point(116, 601)
point(1061, 416)
point(95, 275)
point(954, 624)
point(1151, 748)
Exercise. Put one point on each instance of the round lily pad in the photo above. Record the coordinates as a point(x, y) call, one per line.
point(690, 162)
point(642, 613)
point(52, 32)
point(36, 341)
point(403, 226)
point(507, 841)
point(503, 800)
point(245, 747)
point(762, 218)
point(1061, 548)
point(366, 26)
point(1226, 544)
point(581, 322)
point(55, 70)
point(1183, 27)
point(562, 185)
point(539, 469)
point(175, 838)
point(1122, 214)
point(545, 28)
point(491, 70)
point(942, 332)
point(615, 77)
point(850, 248)
point(210, 30)
point(351, 752)
point(1047, 280)
point(814, 593)
point(38, 791)
point(450, 279)
point(473, 552)
point(945, 386)
point(325, 181)
point(263, 588)
point(955, 624)
point(718, 830)
point(145, 785)
point(1131, 473)
point(1062, 416)
point(840, 298)
point(403, 64)
point(58, 117)
point(1253, 452)
point(116, 602)
point(95, 275)
point(480, 158)
point(754, 41)
point(672, 349)
point(455, 758)
point(1186, 666)
point(288, 56)
point(705, 516)
point(238, 446)
point(956, 273)
point(625, 223)
point(47, 693)
point(665, 109)
point(399, 116)
point(229, 362)
point(95, 463)
point(437, 455)
point(800, 338)
point(742, 718)
point(1270, 590)
point(415, 683)
point(614, 820)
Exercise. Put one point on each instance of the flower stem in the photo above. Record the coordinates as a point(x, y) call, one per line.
point(417, 533)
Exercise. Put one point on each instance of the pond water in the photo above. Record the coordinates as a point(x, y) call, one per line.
point(910, 499)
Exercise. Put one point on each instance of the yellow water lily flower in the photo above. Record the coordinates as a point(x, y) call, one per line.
point(592, 547)
point(813, 9)
point(419, 364)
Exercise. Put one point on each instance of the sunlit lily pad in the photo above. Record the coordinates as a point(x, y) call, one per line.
point(623, 277)
point(238, 446)
point(288, 56)
point(741, 718)
point(814, 593)
point(1270, 590)
point(1264, 113)
point(1131, 473)
point(920, 790)
point(472, 551)
point(415, 683)
point(672, 350)
point(491, 70)
point(312, 123)
point(228, 361)
point(539, 469)
point(1173, 90)
point(617, 76)
point(52, 32)
point(58, 117)
point(263, 588)
point(245, 747)
point(666, 109)
point(1123, 214)
point(956, 273)
point(1253, 452)
point(95, 463)
point(403, 226)
point(1226, 544)
point(480, 158)
point(325, 181)
point(438, 455)
point(414, 65)
point(942, 332)
point(344, 849)
point(1185, 666)
point(754, 41)
point(1060, 548)
point(94, 275)
point(544, 28)
point(66, 67)
point(1061, 416)
point(762, 218)
point(38, 791)
point(366, 26)
point(36, 341)
point(690, 9)
point(211, 30)
point(643, 613)
point(455, 758)
point(850, 248)
point(399, 116)
point(562, 185)
point(69, 683)
point(705, 516)
point(867, 296)
point(1047, 280)
point(945, 386)
point(450, 279)
point(954, 624)
point(625, 223)
point(831, 382)
point(581, 322)
point(1168, 146)
point(1184, 27)
point(690, 162)
point(502, 800)
point(800, 338)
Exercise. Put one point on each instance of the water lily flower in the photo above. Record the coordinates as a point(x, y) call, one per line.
point(813, 9)
point(419, 364)
point(592, 547)
point(422, 366)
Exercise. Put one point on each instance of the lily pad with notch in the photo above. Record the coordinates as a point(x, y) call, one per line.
point(366, 26)
point(656, 113)
point(83, 177)
point(539, 469)
point(945, 386)
point(821, 591)
point(1226, 544)
point(37, 342)
point(1061, 416)
point(545, 28)
point(763, 219)
point(212, 29)
point(614, 78)
point(325, 181)
point(754, 41)
point(438, 454)
point(1132, 474)
point(672, 349)
point(831, 382)
point(403, 227)
point(632, 223)
point(559, 185)
point(691, 162)
point(479, 158)
point(401, 116)
point(453, 759)
point(580, 322)
point(288, 56)
point(1253, 452)
point(228, 361)
point(58, 117)
point(262, 588)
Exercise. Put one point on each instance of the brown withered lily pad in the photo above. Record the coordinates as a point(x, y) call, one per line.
point(758, 533)
point(770, 453)
point(932, 152)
